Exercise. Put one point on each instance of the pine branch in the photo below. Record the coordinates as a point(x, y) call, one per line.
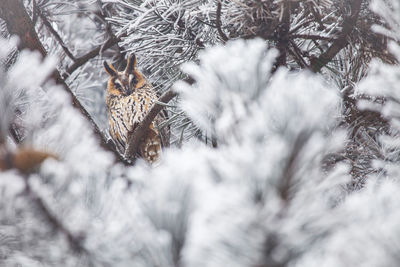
point(342, 41)
point(136, 136)
point(297, 56)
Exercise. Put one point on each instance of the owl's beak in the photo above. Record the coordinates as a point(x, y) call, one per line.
point(129, 91)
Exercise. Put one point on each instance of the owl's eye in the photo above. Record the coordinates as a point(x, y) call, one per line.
point(132, 81)
point(118, 86)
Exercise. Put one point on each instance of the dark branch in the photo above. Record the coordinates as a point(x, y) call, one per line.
point(317, 18)
point(34, 12)
point(92, 54)
point(218, 22)
point(297, 54)
point(140, 131)
point(282, 36)
point(338, 44)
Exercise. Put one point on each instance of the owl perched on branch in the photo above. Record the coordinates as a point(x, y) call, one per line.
point(129, 98)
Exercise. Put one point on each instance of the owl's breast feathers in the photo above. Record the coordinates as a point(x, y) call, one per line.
point(126, 112)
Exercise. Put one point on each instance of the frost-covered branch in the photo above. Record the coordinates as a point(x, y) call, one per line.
point(79, 61)
point(136, 136)
point(341, 41)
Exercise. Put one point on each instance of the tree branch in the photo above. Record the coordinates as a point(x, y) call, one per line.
point(91, 54)
point(219, 24)
point(34, 13)
point(136, 136)
point(297, 54)
point(338, 44)
point(282, 35)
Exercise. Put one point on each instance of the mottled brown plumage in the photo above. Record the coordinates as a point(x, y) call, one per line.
point(129, 98)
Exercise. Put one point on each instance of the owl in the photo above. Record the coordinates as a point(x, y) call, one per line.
point(129, 98)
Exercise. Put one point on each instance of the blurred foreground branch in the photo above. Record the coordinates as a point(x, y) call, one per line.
point(75, 242)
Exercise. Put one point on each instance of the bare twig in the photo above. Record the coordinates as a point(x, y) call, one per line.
point(139, 132)
point(218, 23)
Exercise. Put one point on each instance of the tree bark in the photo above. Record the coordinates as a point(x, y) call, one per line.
point(283, 35)
point(18, 22)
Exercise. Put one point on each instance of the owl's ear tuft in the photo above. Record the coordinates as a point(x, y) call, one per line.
point(110, 69)
point(131, 63)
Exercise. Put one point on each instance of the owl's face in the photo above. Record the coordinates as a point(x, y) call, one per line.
point(124, 82)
